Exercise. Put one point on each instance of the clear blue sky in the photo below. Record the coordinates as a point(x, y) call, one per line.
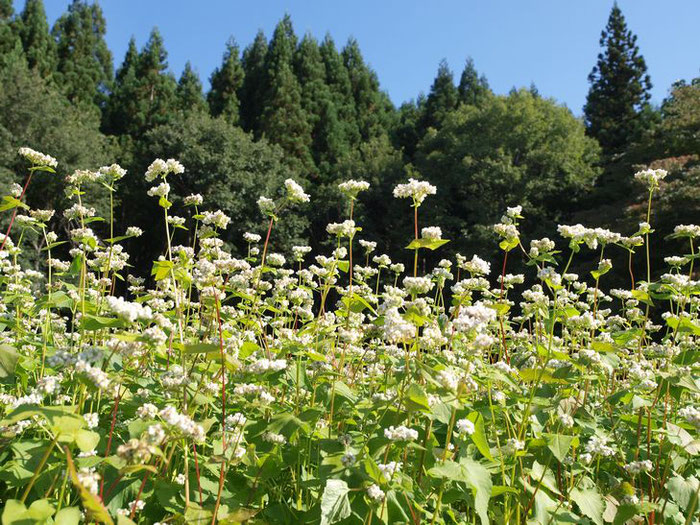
point(553, 43)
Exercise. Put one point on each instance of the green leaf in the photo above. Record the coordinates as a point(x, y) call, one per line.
point(67, 516)
point(590, 502)
point(416, 399)
point(559, 444)
point(86, 440)
point(473, 474)
point(93, 507)
point(16, 513)
point(684, 325)
point(431, 244)
point(335, 505)
point(479, 435)
point(9, 202)
point(161, 269)
point(50, 414)
point(8, 360)
point(684, 491)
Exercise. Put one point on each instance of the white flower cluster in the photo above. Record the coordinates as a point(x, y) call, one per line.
point(375, 493)
point(184, 423)
point(464, 426)
point(431, 232)
point(162, 168)
point(414, 189)
point(474, 317)
point(650, 177)
point(400, 433)
point(691, 415)
point(342, 229)
point(636, 467)
point(38, 159)
point(476, 266)
point(295, 192)
point(389, 470)
point(266, 365)
point(128, 311)
point(352, 187)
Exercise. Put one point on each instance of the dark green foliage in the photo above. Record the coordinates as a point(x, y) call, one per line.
point(253, 62)
point(226, 83)
point(680, 129)
point(284, 120)
point(33, 30)
point(472, 88)
point(619, 88)
point(515, 149)
point(189, 91)
point(84, 62)
point(229, 169)
point(442, 99)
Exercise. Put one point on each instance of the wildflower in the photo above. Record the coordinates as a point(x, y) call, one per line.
point(161, 190)
point(431, 232)
point(375, 493)
point(134, 231)
point(38, 159)
point(416, 190)
point(636, 467)
point(464, 426)
point(267, 206)
point(352, 187)
point(343, 229)
point(295, 193)
point(194, 199)
point(477, 266)
point(418, 285)
point(389, 470)
point(400, 433)
point(251, 237)
point(162, 168)
point(113, 172)
point(651, 177)
point(272, 437)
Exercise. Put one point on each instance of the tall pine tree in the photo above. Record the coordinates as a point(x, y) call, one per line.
point(619, 88)
point(226, 83)
point(472, 89)
point(284, 120)
point(189, 95)
point(9, 40)
point(84, 62)
point(253, 86)
point(442, 98)
point(39, 47)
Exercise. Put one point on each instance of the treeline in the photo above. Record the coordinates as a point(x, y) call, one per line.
point(289, 105)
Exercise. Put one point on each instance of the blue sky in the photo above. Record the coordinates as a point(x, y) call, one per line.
point(553, 43)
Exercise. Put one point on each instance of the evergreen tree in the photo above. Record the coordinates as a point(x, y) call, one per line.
point(9, 40)
point(253, 86)
point(122, 106)
point(442, 98)
point(284, 120)
point(338, 81)
point(619, 88)
point(226, 82)
point(189, 91)
point(39, 47)
point(372, 107)
point(84, 62)
point(472, 87)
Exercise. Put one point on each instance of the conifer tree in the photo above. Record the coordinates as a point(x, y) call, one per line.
point(472, 88)
point(338, 81)
point(84, 62)
point(190, 97)
point(619, 89)
point(372, 107)
point(284, 120)
point(39, 47)
point(253, 86)
point(9, 40)
point(442, 98)
point(226, 82)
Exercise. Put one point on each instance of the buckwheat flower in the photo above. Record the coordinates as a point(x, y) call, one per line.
point(251, 238)
point(180, 479)
point(400, 433)
point(691, 415)
point(382, 260)
point(369, 246)
point(636, 467)
point(42, 215)
point(38, 159)
point(79, 177)
point(272, 437)
point(194, 199)
point(217, 218)
point(155, 434)
point(92, 419)
point(513, 445)
point(687, 230)
point(299, 252)
point(234, 421)
point(348, 459)
point(416, 190)
point(431, 232)
point(113, 172)
point(375, 493)
point(604, 265)
point(650, 177)
point(89, 479)
point(147, 411)
point(389, 470)
point(514, 212)
point(275, 259)
point(464, 426)
point(161, 190)
point(267, 206)
point(397, 268)
point(351, 188)
point(15, 190)
point(477, 266)
point(162, 168)
point(597, 446)
point(418, 285)
point(507, 231)
point(342, 229)
point(295, 193)
point(134, 231)
point(448, 379)
point(566, 420)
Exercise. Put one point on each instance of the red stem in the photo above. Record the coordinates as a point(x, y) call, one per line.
point(109, 441)
point(196, 469)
